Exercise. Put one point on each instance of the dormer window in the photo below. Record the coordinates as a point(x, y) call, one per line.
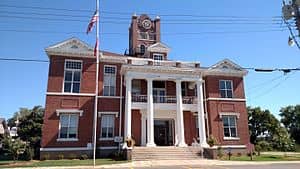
point(157, 58)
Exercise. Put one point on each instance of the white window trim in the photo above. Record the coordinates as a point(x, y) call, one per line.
point(221, 114)
point(69, 111)
point(115, 76)
point(67, 139)
point(63, 111)
point(231, 82)
point(63, 85)
point(107, 138)
point(158, 54)
point(108, 113)
point(236, 125)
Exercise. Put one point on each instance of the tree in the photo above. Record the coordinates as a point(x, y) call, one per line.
point(30, 126)
point(290, 117)
point(261, 122)
point(14, 147)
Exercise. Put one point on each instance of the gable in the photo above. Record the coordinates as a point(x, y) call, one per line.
point(226, 66)
point(71, 46)
point(159, 47)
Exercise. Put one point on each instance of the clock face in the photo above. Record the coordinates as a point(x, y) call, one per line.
point(146, 24)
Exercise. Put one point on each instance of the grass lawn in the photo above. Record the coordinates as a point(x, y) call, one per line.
point(52, 163)
point(265, 158)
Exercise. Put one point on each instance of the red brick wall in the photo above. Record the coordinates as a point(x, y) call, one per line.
point(56, 74)
point(189, 127)
point(51, 120)
point(136, 126)
point(216, 125)
point(212, 86)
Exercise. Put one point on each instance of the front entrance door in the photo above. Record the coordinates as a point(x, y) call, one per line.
point(163, 132)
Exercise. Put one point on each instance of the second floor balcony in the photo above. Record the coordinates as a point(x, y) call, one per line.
point(164, 99)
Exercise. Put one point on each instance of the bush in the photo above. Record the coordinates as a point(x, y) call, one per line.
point(220, 152)
point(239, 154)
point(72, 156)
point(45, 156)
point(264, 145)
point(28, 154)
point(211, 141)
point(83, 157)
point(60, 156)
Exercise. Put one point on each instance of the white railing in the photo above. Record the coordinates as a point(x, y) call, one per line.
point(189, 100)
point(139, 98)
point(166, 63)
point(164, 99)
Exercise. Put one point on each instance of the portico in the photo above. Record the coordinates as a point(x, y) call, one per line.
point(171, 109)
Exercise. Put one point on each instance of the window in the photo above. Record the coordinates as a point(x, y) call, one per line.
point(107, 125)
point(184, 90)
point(225, 87)
point(136, 87)
point(229, 125)
point(157, 59)
point(109, 81)
point(72, 76)
point(142, 49)
point(152, 36)
point(68, 126)
point(143, 35)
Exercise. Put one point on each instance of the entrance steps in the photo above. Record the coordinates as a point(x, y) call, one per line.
point(165, 153)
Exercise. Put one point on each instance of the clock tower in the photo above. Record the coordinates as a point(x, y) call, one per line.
point(144, 34)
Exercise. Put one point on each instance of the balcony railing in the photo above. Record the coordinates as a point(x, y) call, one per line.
point(164, 99)
point(189, 100)
point(139, 98)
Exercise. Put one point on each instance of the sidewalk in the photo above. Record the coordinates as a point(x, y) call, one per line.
point(162, 163)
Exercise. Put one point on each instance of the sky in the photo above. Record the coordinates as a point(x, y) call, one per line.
point(249, 33)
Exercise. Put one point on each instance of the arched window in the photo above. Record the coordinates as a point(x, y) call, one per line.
point(142, 49)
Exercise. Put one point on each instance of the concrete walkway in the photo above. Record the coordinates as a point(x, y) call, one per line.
point(280, 153)
point(134, 164)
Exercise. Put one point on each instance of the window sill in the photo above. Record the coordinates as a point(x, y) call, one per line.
point(231, 138)
point(106, 139)
point(67, 139)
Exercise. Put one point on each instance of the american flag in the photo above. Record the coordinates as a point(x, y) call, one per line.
point(96, 47)
point(92, 22)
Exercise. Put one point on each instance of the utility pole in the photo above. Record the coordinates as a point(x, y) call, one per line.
point(290, 11)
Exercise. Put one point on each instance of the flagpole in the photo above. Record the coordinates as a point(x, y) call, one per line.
point(96, 86)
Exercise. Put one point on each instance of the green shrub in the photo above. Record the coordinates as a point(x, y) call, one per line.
point(83, 157)
point(28, 154)
point(60, 156)
point(211, 141)
point(45, 156)
point(220, 152)
point(72, 156)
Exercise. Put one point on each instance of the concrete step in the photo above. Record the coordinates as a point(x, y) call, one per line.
point(165, 153)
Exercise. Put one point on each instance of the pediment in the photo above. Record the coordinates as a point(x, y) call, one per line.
point(227, 64)
point(70, 46)
point(159, 47)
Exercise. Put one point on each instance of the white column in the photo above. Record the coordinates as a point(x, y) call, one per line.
point(127, 127)
point(180, 123)
point(201, 120)
point(143, 129)
point(150, 116)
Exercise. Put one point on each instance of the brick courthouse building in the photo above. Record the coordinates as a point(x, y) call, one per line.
point(142, 95)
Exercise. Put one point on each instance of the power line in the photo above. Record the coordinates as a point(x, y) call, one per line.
point(127, 13)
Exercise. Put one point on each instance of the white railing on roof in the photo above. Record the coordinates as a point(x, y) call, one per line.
point(166, 63)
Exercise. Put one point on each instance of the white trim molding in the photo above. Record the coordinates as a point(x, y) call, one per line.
point(231, 138)
point(109, 113)
point(67, 139)
point(69, 94)
point(108, 148)
point(106, 139)
point(66, 149)
point(110, 97)
point(68, 111)
point(225, 99)
point(229, 114)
